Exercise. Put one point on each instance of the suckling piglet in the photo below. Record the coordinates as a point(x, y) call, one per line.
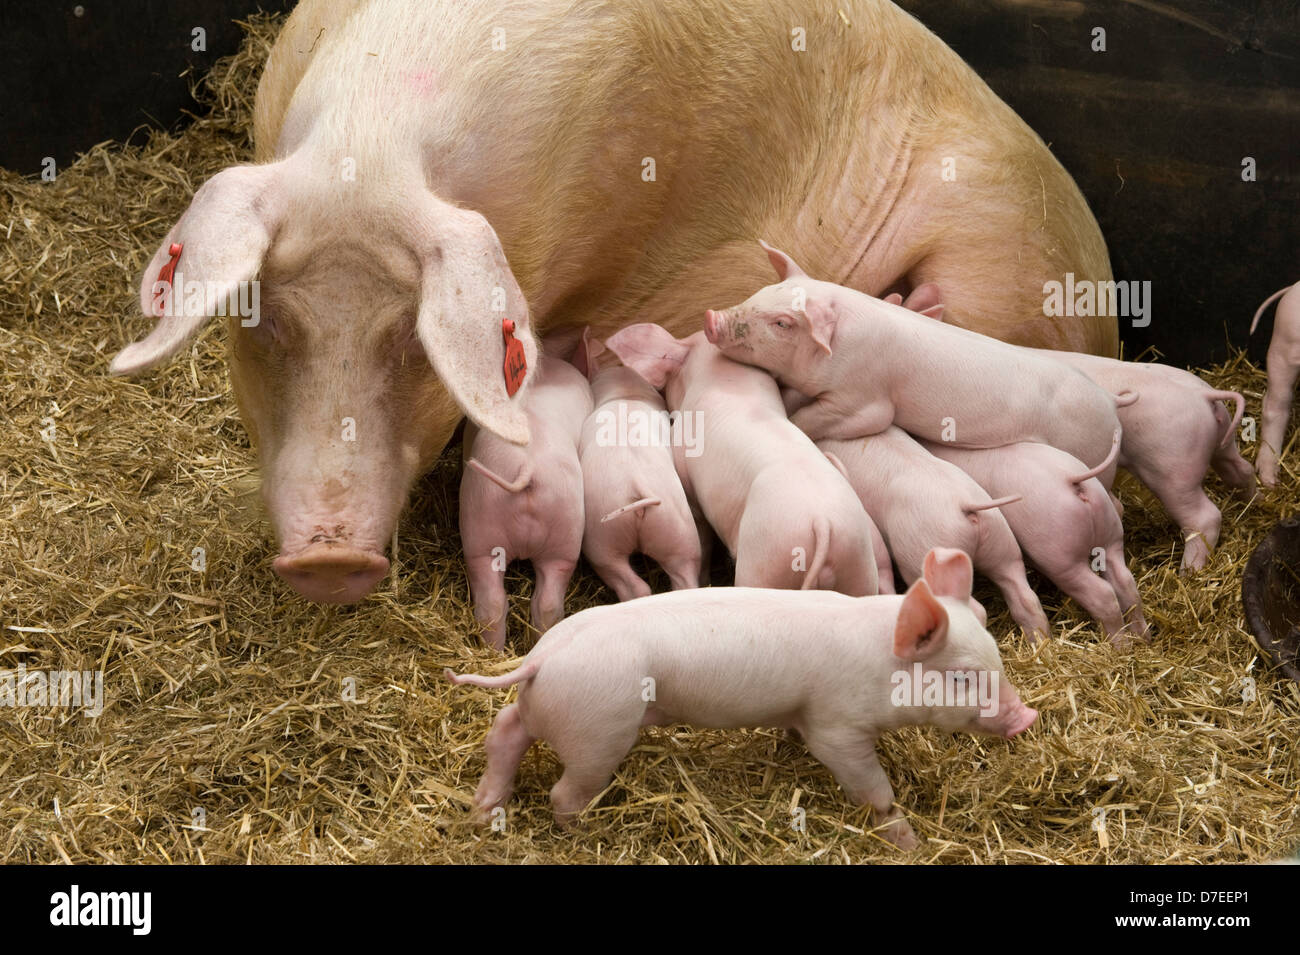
point(867, 364)
point(1174, 431)
point(920, 502)
point(786, 514)
point(1065, 525)
point(840, 670)
point(525, 503)
point(1283, 370)
point(633, 498)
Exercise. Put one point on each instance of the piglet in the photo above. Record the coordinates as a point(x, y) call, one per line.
point(787, 516)
point(526, 503)
point(1065, 525)
point(867, 363)
point(922, 502)
point(840, 670)
point(634, 500)
point(1174, 430)
point(1283, 370)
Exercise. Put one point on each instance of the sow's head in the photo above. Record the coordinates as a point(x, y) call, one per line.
point(362, 325)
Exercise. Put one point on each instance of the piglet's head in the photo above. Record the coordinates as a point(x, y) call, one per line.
point(950, 671)
point(786, 328)
point(362, 324)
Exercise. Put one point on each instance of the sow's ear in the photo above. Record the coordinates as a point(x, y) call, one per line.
point(223, 236)
point(467, 291)
point(650, 351)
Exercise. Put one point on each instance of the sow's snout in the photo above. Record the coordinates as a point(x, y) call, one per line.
point(331, 572)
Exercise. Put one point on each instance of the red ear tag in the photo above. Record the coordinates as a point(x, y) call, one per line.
point(168, 270)
point(516, 365)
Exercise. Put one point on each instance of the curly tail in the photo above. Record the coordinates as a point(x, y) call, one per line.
point(525, 672)
point(1110, 459)
point(1125, 398)
point(821, 545)
point(635, 505)
point(514, 487)
point(989, 505)
point(1267, 302)
point(1236, 398)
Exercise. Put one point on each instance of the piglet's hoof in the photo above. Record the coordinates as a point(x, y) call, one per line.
point(895, 828)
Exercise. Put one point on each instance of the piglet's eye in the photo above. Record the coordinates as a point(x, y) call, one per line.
point(782, 324)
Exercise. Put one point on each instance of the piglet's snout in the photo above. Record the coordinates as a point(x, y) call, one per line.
point(1012, 717)
point(332, 572)
point(1019, 720)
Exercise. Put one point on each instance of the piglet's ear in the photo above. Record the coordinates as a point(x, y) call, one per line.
point(926, 299)
point(786, 268)
point(922, 626)
point(223, 237)
point(650, 351)
point(467, 292)
point(821, 324)
point(949, 572)
point(589, 350)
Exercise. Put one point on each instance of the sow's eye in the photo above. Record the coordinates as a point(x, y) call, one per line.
point(261, 328)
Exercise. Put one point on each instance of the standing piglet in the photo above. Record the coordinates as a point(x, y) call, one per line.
point(1283, 370)
point(634, 500)
point(787, 516)
point(922, 503)
point(839, 670)
point(868, 363)
point(1173, 432)
point(1064, 523)
point(525, 503)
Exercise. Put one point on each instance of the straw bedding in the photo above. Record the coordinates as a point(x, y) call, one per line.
point(243, 724)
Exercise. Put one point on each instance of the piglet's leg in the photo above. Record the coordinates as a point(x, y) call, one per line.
point(622, 579)
point(820, 420)
point(1021, 600)
point(1126, 590)
point(851, 756)
point(1199, 521)
point(1235, 471)
point(548, 594)
point(488, 589)
point(590, 760)
point(683, 572)
point(1282, 375)
point(506, 744)
point(1094, 595)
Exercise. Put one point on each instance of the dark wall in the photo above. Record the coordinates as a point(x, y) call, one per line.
point(76, 73)
point(1154, 130)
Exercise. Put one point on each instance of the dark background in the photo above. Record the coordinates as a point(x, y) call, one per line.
point(1154, 129)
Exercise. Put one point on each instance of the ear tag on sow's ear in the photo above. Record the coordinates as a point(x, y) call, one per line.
point(516, 365)
point(166, 273)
